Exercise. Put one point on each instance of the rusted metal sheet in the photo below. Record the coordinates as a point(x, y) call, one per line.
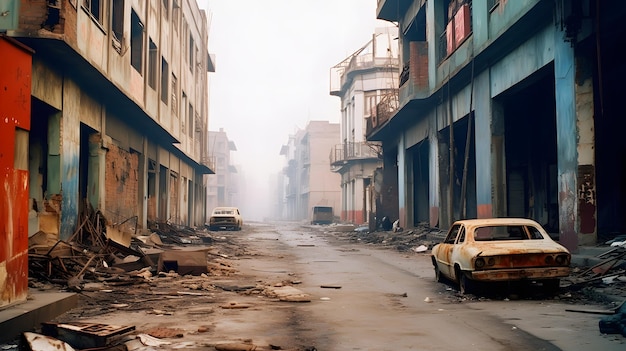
point(15, 83)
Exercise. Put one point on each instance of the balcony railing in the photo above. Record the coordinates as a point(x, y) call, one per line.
point(208, 161)
point(349, 151)
point(386, 108)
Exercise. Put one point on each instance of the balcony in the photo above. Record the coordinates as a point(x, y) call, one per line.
point(353, 151)
point(385, 109)
point(209, 162)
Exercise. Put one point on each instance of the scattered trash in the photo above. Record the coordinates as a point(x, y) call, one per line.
point(330, 286)
point(38, 342)
point(235, 347)
point(427, 299)
point(151, 340)
point(235, 305)
point(421, 248)
point(615, 324)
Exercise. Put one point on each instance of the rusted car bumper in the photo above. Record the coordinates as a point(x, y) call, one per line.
point(520, 274)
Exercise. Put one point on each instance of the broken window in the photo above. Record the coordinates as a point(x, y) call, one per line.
point(491, 4)
point(452, 234)
point(190, 120)
point(174, 95)
point(117, 24)
point(183, 119)
point(191, 50)
point(152, 62)
point(94, 8)
point(136, 42)
point(165, 73)
point(370, 99)
point(175, 14)
point(165, 8)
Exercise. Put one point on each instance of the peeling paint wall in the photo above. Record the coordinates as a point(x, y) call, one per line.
point(15, 84)
point(121, 184)
point(564, 68)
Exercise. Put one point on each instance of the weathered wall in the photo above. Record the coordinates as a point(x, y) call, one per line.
point(121, 183)
point(15, 84)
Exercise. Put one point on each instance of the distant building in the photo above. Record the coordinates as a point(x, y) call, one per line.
point(222, 189)
point(363, 80)
point(310, 181)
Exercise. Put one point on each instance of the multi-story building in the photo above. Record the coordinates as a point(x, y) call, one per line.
point(363, 80)
point(508, 108)
point(223, 185)
point(117, 112)
point(310, 181)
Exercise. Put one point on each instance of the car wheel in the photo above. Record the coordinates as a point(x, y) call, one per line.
point(465, 284)
point(438, 277)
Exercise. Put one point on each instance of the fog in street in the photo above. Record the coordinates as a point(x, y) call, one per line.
point(273, 61)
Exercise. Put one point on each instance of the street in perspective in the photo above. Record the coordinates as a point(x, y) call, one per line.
point(312, 175)
point(293, 286)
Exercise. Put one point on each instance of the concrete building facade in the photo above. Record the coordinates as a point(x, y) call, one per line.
point(309, 180)
point(508, 108)
point(362, 81)
point(118, 110)
point(223, 186)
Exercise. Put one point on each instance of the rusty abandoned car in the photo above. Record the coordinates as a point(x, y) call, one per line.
point(225, 218)
point(500, 250)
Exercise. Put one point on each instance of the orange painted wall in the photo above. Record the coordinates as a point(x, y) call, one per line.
point(15, 95)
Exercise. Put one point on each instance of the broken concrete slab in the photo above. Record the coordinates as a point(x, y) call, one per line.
point(287, 293)
point(192, 262)
point(84, 335)
point(235, 347)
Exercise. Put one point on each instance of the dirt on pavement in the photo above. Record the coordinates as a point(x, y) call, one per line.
point(234, 305)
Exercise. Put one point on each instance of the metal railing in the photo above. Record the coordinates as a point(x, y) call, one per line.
point(348, 151)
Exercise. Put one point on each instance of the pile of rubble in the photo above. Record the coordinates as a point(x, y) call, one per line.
point(113, 254)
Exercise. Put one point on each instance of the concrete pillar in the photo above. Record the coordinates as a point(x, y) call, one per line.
point(498, 162)
point(566, 135)
point(70, 157)
point(433, 191)
point(484, 151)
point(402, 183)
point(587, 209)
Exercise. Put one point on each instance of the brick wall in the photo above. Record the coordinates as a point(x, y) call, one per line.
point(33, 13)
point(60, 19)
point(121, 184)
point(67, 23)
point(418, 64)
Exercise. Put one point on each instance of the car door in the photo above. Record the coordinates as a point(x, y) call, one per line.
point(445, 255)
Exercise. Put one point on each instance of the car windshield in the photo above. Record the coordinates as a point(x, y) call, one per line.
point(506, 232)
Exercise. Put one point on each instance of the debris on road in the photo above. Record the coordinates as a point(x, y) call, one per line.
point(615, 324)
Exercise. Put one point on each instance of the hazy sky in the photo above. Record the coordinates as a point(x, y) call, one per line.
point(273, 60)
